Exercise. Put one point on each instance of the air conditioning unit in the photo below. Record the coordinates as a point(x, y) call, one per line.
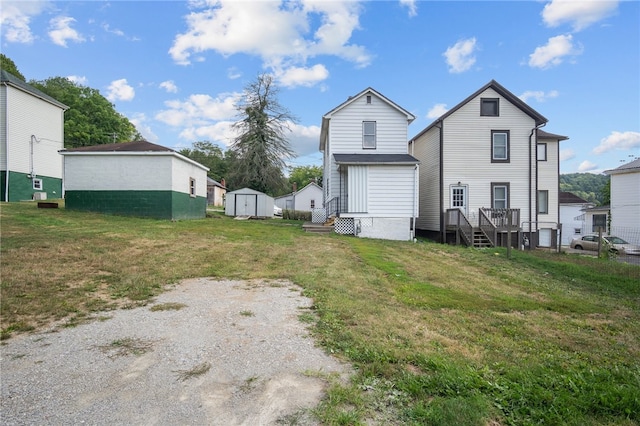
point(39, 196)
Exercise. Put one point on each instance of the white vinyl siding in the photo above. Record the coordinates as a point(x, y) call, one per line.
point(20, 124)
point(358, 189)
point(395, 197)
point(625, 201)
point(427, 150)
point(549, 180)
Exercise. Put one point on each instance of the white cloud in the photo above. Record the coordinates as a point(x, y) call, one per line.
point(141, 122)
point(169, 86)
point(587, 166)
point(280, 33)
point(15, 18)
point(538, 95)
point(115, 31)
point(554, 52)
point(119, 90)
point(304, 140)
point(580, 13)
point(411, 6)
point(619, 141)
point(81, 80)
point(567, 154)
point(234, 73)
point(202, 116)
point(460, 57)
point(437, 110)
point(300, 76)
point(60, 31)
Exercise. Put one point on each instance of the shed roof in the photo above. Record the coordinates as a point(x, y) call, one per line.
point(11, 80)
point(536, 116)
point(375, 159)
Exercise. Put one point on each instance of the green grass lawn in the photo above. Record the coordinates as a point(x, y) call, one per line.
point(437, 334)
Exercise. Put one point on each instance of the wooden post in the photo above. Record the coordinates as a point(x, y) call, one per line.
point(508, 234)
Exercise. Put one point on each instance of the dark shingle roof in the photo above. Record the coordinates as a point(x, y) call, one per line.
point(375, 159)
point(546, 135)
point(11, 80)
point(137, 146)
point(570, 198)
point(625, 168)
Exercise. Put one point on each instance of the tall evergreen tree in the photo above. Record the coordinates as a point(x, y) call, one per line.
point(261, 148)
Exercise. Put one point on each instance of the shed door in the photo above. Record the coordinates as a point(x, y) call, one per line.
point(246, 205)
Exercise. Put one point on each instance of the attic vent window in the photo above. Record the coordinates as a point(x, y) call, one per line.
point(490, 107)
point(368, 99)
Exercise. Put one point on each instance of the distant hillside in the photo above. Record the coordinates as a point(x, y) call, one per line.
point(585, 185)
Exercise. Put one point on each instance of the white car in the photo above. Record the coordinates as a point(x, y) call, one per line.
point(277, 211)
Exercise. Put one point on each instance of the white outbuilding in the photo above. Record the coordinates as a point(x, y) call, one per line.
point(248, 202)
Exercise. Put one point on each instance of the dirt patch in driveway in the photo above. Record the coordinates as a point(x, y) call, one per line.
point(206, 352)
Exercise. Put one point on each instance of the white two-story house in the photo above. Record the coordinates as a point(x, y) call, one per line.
point(31, 134)
point(370, 181)
point(488, 173)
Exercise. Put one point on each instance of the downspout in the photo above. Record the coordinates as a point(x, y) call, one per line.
point(416, 185)
point(533, 131)
point(6, 147)
point(443, 232)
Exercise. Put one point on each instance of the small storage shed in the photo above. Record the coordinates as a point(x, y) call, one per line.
point(135, 179)
point(248, 202)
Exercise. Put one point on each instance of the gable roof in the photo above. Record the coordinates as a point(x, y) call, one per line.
point(309, 185)
point(631, 167)
point(570, 198)
point(546, 135)
point(136, 146)
point(502, 91)
point(9, 79)
point(327, 117)
point(375, 159)
point(214, 182)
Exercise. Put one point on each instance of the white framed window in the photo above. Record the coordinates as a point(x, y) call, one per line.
point(369, 134)
point(490, 107)
point(542, 152)
point(543, 202)
point(37, 184)
point(192, 187)
point(313, 204)
point(368, 99)
point(499, 146)
point(500, 195)
point(577, 231)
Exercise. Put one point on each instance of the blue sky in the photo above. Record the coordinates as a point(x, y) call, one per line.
point(176, 68)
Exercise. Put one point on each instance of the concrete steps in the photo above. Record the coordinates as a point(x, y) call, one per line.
point(319, 228)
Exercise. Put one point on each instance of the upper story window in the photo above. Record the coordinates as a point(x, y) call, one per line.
point(542, 152)
point(368, 99)
point(369, 134)
point(499, 146)
point(490, 107)
point(543, 202)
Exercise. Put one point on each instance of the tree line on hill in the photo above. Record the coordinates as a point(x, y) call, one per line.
point(588, 186)
point(256, 158)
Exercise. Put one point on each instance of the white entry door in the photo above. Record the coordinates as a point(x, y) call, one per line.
point(458, 198)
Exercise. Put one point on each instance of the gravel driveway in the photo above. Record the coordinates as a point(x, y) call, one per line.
point(234, 354)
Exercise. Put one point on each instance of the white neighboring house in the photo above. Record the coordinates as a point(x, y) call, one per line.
point(134, 179)
point(216, 192)
point(370, 181)
point(572, 216)
point(625, 201)
point(31, 134)
point(486, 155)
point(304, 200)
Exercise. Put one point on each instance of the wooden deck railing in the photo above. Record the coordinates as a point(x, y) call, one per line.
point(503, 219)
point(456, 220)
point(488, 227)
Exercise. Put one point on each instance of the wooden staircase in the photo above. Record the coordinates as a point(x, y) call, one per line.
point(320, 228)
point(480, 240)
